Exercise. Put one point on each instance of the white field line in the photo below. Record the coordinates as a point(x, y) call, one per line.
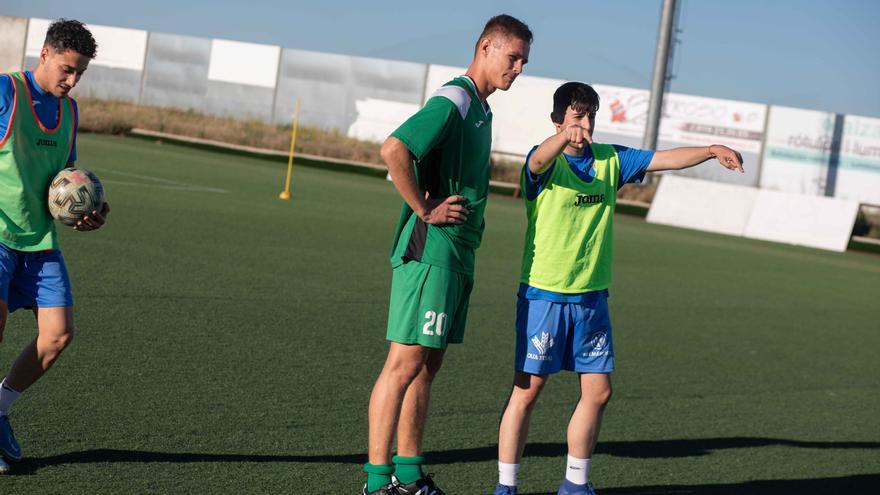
point(162, 183)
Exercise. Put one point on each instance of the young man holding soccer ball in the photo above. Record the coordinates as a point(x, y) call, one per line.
point(38, 123)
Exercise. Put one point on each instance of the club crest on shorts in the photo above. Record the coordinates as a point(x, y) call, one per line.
point(543, 344)
point(599, 340)
point(597, 345)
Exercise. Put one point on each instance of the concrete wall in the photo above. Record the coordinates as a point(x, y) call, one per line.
point(12, 39)
point(792, 218)
point(176, 71)
point(241, 80)
point(365, 98)
point(807, 152)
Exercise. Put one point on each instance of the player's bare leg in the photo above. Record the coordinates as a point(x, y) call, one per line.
point(583, 428)
point(9, 447)
point(583, 432)
point(414, 411)
point(514, 427)
point(403, 364)
point(55, 331)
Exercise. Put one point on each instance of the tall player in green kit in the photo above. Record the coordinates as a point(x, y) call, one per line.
point(37, 139)
point(439, 162)
point(570, 188)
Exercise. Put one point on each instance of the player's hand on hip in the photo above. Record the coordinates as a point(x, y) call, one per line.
point(445, 210)
point(578, 136)
point(94, 220)
point(728, 158)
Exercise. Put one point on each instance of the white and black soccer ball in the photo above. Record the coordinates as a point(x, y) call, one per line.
point(74, 192)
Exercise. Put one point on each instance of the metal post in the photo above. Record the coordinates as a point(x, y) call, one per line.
point(278, 65)
point(144, 73)
point(834, 158)
point(763, 151)
point(27, 28)
point(658, 83)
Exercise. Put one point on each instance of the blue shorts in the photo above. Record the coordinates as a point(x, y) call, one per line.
point(33, 279)
point(555, 335)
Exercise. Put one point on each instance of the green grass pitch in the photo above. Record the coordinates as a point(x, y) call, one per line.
point(227, 342)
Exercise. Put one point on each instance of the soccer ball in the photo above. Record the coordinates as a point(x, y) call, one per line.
point(74, 192)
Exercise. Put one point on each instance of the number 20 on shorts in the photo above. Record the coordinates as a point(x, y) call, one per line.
point(434, 325)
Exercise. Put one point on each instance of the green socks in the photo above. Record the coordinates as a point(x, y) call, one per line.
point(378, 475)
point(408, 469)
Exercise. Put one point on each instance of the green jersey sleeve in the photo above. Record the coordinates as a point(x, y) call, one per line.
point(428, 127)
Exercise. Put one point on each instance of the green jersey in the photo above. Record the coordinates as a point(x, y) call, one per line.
point(30, 156)
point(450, 138)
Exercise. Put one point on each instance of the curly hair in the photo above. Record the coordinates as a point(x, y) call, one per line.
point(69, 34)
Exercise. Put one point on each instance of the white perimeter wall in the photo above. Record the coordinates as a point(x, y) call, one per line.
point(702, 205)
point(249, 64)
point(799, 158)
point(799, 219)
point(118, 48)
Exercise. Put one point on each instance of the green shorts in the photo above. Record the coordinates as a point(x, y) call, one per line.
point(428, 306)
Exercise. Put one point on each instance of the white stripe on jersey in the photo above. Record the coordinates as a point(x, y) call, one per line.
point(458, 96)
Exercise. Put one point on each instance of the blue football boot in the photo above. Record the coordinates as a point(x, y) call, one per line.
point(569, 488)
point(8, 444)
point(504, 490)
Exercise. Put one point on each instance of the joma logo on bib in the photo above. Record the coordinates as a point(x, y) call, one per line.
point(589, 199)
point(47, 142)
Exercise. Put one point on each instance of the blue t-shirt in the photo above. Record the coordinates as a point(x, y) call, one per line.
point(633, 165)
point(45, 105)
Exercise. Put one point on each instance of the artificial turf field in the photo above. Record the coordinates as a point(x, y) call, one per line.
point(227, 342)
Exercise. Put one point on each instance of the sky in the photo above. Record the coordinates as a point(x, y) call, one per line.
point(814, 54)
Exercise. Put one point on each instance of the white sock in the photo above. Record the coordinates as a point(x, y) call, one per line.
point(507, 473)
point(7, 397)
point(578, 470)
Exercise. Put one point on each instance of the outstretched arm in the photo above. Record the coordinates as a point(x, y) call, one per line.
point(434, 211)
point(686, 157)
point(543, 156)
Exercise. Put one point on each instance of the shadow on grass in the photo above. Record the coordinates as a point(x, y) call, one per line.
point(646, 449)
point(30, 465)
point(633, 449)
point(856, 484)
